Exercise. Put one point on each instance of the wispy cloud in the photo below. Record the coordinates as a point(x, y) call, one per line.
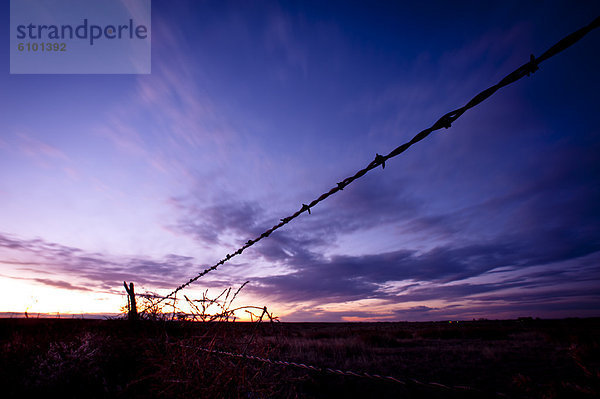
point(90, 271)
point(281, 42)
point(39, 150)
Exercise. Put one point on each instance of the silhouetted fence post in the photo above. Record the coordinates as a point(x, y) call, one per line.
point(132, 309)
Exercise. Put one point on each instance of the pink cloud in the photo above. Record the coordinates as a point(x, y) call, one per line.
point(39, 150)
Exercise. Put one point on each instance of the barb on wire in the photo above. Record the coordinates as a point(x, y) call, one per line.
point(444, 122)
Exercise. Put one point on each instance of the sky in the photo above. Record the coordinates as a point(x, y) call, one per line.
point(253, 108)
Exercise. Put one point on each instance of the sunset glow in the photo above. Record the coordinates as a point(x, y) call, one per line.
point(254, 108)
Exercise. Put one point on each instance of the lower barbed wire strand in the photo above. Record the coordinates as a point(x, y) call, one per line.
point(377, 377)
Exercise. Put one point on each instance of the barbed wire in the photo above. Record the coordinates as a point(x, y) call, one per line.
point(444, 122)
point(329, 370)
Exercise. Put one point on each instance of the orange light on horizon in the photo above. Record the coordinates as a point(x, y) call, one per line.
point(20, 296)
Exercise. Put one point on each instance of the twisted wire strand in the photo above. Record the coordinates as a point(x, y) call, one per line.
point(329, 370)
point(444, 122)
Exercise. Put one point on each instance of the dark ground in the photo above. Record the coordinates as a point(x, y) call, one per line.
point(114, 358)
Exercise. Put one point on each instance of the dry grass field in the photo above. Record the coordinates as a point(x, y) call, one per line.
point(115, 358)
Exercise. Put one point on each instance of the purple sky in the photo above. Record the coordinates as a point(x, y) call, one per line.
point(255, 108)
